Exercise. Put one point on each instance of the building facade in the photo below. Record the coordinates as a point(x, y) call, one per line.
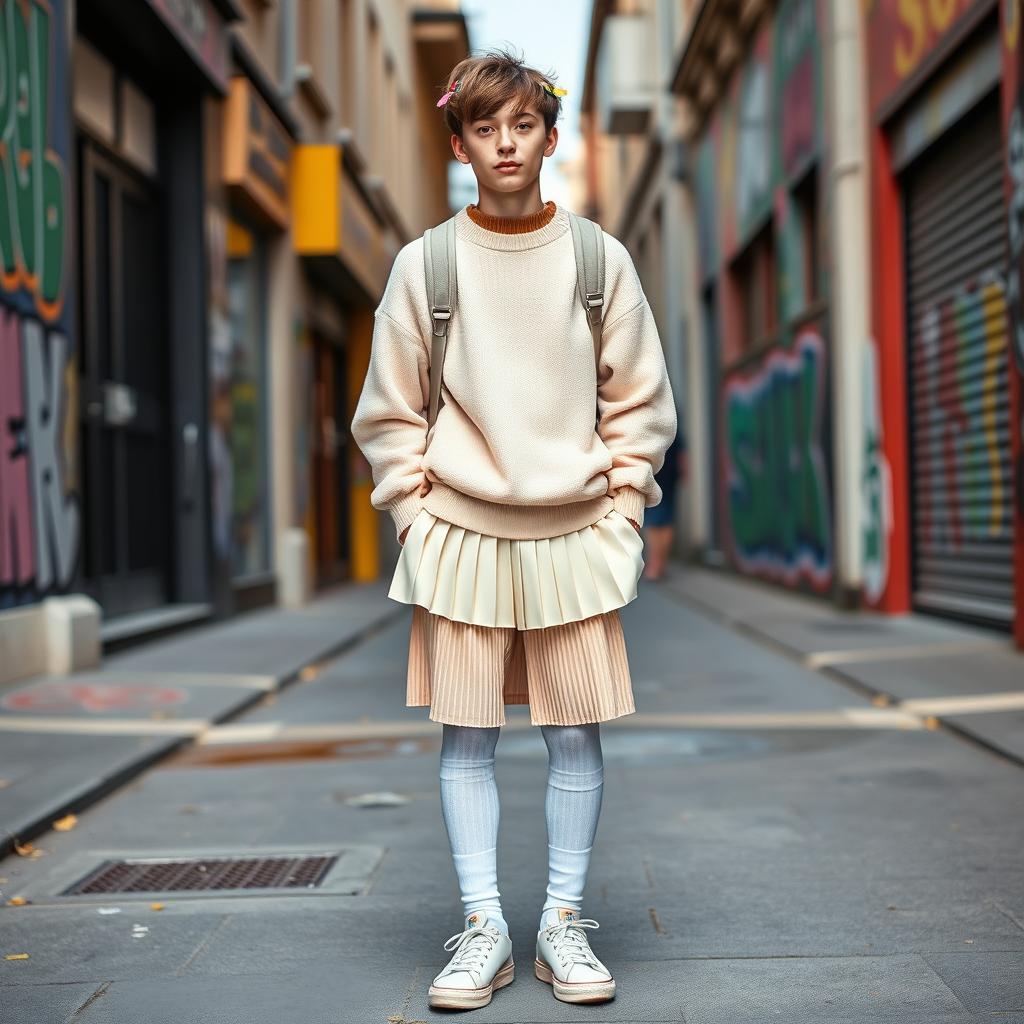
point(847, 269)
point(203, 203)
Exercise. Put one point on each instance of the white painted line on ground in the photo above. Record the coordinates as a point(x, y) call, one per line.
point(820, 659)
point(840, 718)
point(267, 683)
point(967, 704)
point(103, 726)
point(256, 733)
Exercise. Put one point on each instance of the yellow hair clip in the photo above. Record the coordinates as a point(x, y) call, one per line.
point(554, 90)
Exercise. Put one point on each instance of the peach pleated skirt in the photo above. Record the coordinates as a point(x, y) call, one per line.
point(525, 584)
point(498, 621)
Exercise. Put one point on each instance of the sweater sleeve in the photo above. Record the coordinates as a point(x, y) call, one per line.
point(390, 421)
point(637, 409)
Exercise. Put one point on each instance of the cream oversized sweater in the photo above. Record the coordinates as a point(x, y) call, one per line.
point(514, 452)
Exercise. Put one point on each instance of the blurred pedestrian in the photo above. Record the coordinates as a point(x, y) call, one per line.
point(520, 527)
point(659, 520)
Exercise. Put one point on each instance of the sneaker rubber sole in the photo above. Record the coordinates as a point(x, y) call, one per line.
point(440, 998)
point(575, 991)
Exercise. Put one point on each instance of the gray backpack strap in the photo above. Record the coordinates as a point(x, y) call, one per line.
point(588, 242)
point(442, 289)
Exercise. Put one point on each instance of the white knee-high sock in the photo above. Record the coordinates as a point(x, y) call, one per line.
point(469, 804)
point(572, 807)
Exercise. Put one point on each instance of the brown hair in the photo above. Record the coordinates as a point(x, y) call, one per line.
point(488, 81)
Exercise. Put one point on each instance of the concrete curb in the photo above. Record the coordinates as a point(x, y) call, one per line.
point(833, 666)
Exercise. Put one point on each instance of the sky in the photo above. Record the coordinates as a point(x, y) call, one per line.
point(550, 35)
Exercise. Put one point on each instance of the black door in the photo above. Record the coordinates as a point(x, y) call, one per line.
point(125, 462)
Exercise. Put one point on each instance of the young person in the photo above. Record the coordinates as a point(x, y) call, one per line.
point(519, 517)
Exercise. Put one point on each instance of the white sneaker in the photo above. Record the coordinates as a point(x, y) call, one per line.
point(481, 964)
point(567, 963)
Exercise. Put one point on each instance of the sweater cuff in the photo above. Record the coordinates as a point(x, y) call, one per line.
point(404, 510)
point(630, 502)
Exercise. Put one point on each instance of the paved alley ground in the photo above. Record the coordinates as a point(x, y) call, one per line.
point(784, 836)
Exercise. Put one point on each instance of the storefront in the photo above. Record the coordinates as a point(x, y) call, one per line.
point(141, 75)
point(941, 325)
point(345, 259)
point(252, 210)
point(758, 174)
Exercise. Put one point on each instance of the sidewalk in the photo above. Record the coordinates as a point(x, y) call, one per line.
point(969, 679)
point(65, 742)
point(772, 846)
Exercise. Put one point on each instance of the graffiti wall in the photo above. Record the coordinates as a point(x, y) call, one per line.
point(966, 475)
point(775, 432)
point(40, 518)
point(1013, 113)
point(760, 142)
point(764, 134)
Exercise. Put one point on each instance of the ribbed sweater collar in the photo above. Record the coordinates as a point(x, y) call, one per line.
point(508, 234)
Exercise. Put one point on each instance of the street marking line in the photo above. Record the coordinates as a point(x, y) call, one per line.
point(256, 733)
point(840, 718)
point(967, 704)
point(821, 659)
point(250, 682)
point(103, 726)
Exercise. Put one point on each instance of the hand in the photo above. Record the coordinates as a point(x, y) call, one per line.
point(424, 490)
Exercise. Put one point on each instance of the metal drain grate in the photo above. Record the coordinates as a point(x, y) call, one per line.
point(115, 876)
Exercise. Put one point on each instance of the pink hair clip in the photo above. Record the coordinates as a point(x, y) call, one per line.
point(449, 94)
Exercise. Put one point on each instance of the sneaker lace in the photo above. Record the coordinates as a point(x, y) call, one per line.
point(570, 942)
point(471, 948)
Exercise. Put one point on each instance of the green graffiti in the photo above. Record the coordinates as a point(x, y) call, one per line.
point(33, 224)
point(777, 488)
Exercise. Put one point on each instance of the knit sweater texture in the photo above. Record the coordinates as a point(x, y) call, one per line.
point(515, 451)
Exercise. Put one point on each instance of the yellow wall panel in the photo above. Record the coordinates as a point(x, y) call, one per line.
point(316, 213)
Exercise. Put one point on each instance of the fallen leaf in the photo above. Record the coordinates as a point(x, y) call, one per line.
point(23, 849)
point(931, 722)
point(881, 700)
point(156, 906)
point(16, 956)
point(17, 901)
point(66, 824)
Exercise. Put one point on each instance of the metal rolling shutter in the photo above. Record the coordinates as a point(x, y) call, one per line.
point(959, 393)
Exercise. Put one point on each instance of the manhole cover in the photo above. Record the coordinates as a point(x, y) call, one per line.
point(201, 874)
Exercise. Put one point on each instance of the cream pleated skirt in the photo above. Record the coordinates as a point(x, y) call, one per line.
point(475, 578)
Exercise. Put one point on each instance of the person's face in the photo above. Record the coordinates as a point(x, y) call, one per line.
point(504, 138)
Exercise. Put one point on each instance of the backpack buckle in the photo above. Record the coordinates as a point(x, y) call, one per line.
point(441, 312)
point(595, 299)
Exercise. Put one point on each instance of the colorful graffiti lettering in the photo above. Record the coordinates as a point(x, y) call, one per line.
point(40, 518)
point(33, 206)
point(902, 34)
point(775, 473)
point(965, 479)
point(39, 521)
